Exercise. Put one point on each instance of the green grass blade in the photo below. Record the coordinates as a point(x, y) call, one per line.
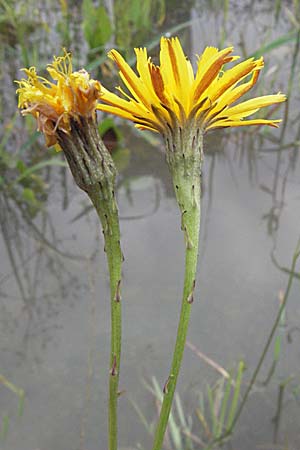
point(224, 407)
point(282, 40)
point(5, 426)
point(28, 144)
point(236, 394)
point(180, 412)
point(214, 422)
point(21, 402)
point(184, 425)
point(39, 166)
point(141, 416)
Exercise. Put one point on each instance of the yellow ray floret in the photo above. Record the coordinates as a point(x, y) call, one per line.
point(158, 93)
point(53, 103)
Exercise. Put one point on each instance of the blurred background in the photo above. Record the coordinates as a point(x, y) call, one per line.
point(54, 308)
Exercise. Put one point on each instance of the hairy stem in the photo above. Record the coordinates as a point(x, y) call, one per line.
point(108, 214)
point(94, 172)
point(186, 179)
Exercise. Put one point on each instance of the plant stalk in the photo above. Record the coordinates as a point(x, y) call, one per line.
point(185, 170)
point(94, 172)
point(108, 214)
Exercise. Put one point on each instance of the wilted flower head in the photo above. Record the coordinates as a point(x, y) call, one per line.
point(54, 103)
point(170, 95)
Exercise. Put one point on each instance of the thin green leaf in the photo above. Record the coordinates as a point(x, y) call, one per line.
point(141, 416)
point(96, 24)
point(282, 40)
point(21, 402)
point(29, 195)
point(28, 144)
point(8, 129)
point(5, 426)
point(180, 410)
point(277, 348)
point(39, 166)
point(214, 422)
point(236, 394)
point(224, 406)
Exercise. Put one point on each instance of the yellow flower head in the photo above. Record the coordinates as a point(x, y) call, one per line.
point(70, 95)
point(162, 97)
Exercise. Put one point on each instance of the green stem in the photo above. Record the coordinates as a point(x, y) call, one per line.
point(94, 172)
point(186, 180)
point(108, 214)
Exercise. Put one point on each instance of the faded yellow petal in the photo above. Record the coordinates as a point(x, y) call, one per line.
point(73, 94)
